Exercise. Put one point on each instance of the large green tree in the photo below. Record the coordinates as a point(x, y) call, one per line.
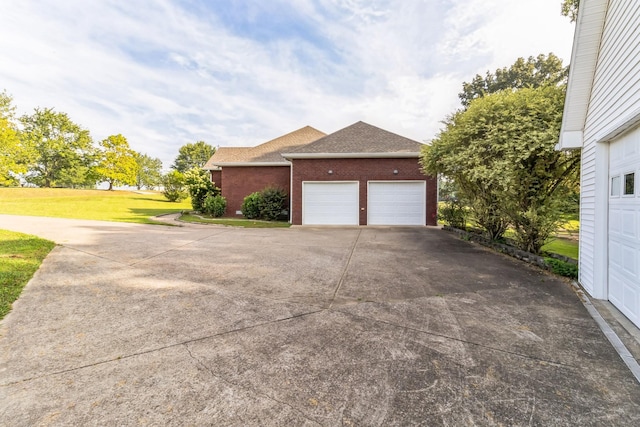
point(193, 156)
point(531, 72)
point(117, 164)
point(501, 154)
point(13, 153)
point(148, 171)
point(62, 150)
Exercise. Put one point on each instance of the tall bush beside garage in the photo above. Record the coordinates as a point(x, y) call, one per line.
point(273, 203)
point(267, 204)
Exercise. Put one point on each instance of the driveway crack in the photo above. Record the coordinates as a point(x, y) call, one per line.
point(346, 268)
point(153, 350)
point(463, 341)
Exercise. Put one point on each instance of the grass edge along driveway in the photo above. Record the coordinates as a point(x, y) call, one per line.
point(102, 205)
point(20, 257)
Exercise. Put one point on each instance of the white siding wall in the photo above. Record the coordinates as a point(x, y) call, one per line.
point(615, 98)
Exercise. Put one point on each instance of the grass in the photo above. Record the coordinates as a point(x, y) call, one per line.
point(246, 223)
point(121, 206)
point(561, 246)
point(20, 257)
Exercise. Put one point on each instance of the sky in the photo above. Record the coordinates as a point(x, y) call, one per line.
point(164, 73)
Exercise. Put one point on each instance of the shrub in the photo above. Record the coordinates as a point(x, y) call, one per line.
point(562, 268)
point(273, 203)
point(173, 183)
point(214, 205)
point(453, 213)
point(200, 187)
point(251, 205)
point(267, 204)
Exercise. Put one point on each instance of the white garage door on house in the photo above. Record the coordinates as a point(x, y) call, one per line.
point(330, 203)
point(624, 225)
point(396, 202)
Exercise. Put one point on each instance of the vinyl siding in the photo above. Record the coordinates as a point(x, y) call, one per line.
point(615, 95)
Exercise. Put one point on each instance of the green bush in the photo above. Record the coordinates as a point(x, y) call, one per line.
point(251, 205)
point(214, 205)
point(173, 183)
point(562, 268)
point(200, 186)
point(273, 203)
point(453, 213)
point(267, 204)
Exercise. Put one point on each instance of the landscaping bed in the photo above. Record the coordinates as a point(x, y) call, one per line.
point(556, 263)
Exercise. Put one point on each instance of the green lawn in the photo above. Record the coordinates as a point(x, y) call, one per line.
point(561, 246)
point(20, 257)
point(121, 206)
point(246, 223)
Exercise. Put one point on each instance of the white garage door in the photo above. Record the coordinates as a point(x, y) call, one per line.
point(624, 225)
point(396, 203)
point(330, 203)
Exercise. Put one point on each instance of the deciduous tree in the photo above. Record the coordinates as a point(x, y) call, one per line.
point(117, 164)
point(148, 171)
point(13, 154)
point(193, 156)
point(60, 148)
point(531, 72)
point(501, 154)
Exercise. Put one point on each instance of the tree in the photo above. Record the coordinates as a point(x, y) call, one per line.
point(501, 154)
point(13, 153)
point(173, 183)
point(60, 148)
point(570, 9)
point(148, 171)
point(532, 72)
point(193, 156)
point(117, 164)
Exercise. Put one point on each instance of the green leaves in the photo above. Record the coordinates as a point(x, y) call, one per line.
point(117, 164)
point(501, 155)
point(193, 156)
point(524, 73)
point(58, 149)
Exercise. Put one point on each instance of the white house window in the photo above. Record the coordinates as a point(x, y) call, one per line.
point(615, 186)
point(629, 184)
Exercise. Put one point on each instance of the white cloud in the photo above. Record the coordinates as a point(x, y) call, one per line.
point(163, 76)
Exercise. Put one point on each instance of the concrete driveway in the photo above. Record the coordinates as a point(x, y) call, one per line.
point(128, 324)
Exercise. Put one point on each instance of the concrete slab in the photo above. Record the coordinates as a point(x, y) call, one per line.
point(129, 324)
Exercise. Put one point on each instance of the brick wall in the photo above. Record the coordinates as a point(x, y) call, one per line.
point(238, 182)
point(216, 178)
point(361, 170)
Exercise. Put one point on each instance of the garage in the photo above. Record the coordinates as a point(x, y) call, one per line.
point(396, 202)
point(624, 223)
point(330, 203)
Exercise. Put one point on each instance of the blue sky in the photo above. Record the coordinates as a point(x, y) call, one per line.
point(238, 73)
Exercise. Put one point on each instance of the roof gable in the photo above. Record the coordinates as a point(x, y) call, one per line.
point(360, 138)
point(268, 152)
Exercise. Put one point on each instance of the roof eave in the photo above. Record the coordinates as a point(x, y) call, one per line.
point(391, 155)
point(243, 164)
point(584, 57)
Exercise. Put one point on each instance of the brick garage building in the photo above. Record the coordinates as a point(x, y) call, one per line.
point(359, 175)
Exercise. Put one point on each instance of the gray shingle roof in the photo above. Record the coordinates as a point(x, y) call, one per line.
point(360, 137)
point(268, 152)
